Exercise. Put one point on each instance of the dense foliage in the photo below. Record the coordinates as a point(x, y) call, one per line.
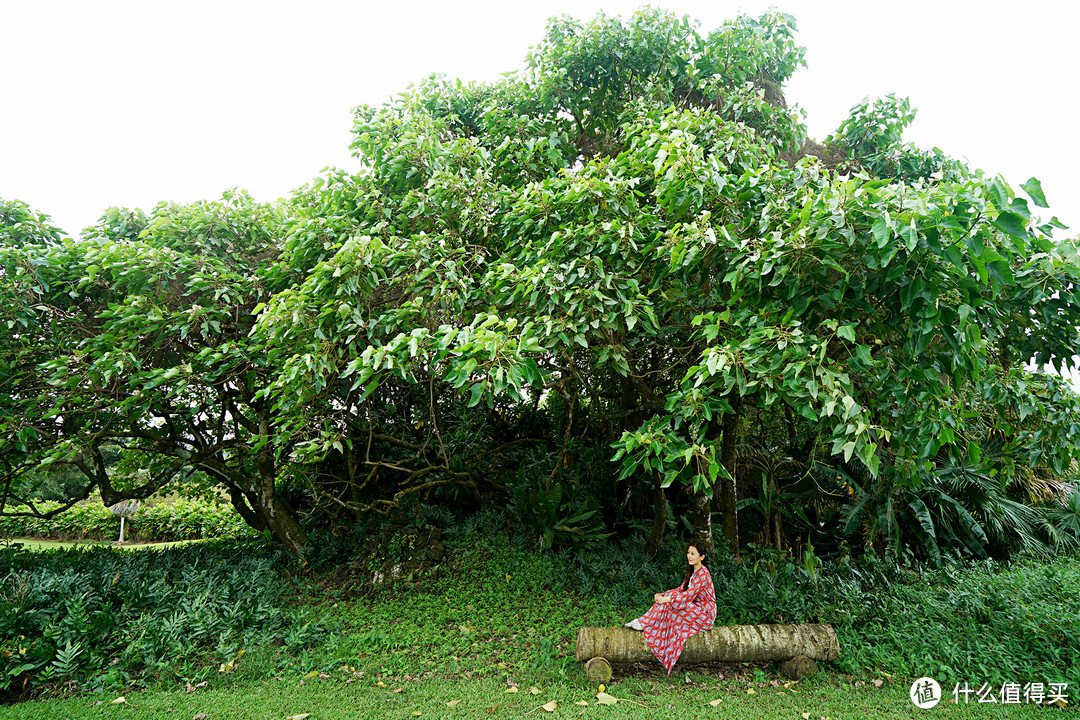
point(622, 270)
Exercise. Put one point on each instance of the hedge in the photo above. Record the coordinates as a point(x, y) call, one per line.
point(182, 520)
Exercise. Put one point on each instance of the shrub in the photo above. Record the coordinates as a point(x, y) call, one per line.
point(182, 520)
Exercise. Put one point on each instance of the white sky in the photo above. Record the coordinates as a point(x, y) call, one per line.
point(128, 103)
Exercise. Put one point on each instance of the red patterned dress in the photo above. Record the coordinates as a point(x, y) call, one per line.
point(668, 626)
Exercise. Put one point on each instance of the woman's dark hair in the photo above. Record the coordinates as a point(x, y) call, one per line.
point(690, 568)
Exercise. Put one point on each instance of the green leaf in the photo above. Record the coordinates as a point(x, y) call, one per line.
point(1011, 224)
point(476, 393)
point(974, 452)
point(847, 332)
point(1034, 190)
point(882, 232)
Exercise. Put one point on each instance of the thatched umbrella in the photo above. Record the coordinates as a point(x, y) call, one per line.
point(124, 508)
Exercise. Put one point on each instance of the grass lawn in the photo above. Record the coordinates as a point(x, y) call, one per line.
point(332, 698)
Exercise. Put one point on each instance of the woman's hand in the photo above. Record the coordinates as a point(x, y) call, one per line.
point(662, 599)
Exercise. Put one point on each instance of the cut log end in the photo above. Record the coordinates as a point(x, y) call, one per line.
point(598, 670)
point(798, 667)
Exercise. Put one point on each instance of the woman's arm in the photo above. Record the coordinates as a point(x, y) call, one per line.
point(680, 599)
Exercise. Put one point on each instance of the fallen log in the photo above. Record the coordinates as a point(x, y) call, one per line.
point(728, 643)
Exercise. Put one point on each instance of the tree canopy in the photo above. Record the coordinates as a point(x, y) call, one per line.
point(603, 275)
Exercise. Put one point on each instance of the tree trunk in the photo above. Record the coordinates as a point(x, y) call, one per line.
point(778, 531)
point(727, 497)
point(279, 518)
point(278, 515)
point(702, 514)
point(731, 643)
point(659, 523)
point(240, 504)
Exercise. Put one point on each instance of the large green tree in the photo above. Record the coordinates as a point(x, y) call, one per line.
point(638, 226)
point(136, 336)
point(632, 246)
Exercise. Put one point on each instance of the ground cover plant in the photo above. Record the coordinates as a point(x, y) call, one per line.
point(84, 619)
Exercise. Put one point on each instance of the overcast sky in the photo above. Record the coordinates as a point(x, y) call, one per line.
point(129, 103)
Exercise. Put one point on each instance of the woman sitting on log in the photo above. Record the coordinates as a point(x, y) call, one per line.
point(679, 613)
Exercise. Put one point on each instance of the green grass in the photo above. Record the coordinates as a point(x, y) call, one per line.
point(669, 698)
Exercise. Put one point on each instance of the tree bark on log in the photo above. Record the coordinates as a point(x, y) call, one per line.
point(730, 643)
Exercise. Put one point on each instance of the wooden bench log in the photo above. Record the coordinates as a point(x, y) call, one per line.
point(728, 643)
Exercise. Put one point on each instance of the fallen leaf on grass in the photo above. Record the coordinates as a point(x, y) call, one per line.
point(582, 703)
point(550, 707)
point(301, 716)
point(454, 703)
point(601, 688)
point(200, 716)
point(380, 683)
point(397, 690)
point(805, 716)
point(715, 702)
point(604, 699)
point(751, 691)
point(118, 701)
point(313, 673)
point(877, 683)
point(534, 690)
point(417, 713)
point(510, 690)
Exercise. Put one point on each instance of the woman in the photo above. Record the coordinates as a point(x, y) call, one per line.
point(679, 613)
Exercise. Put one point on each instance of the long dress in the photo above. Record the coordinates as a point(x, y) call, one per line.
point(668, 625)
